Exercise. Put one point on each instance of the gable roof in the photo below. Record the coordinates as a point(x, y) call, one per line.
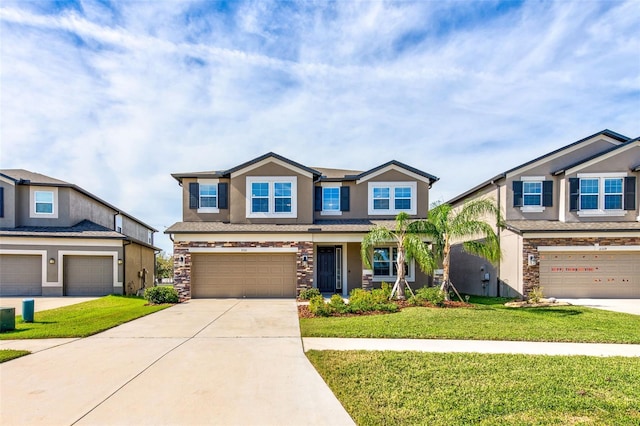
point(26, 177)
point(598, 155)
point(606, 132)
point(395, 164)
point(276, 156)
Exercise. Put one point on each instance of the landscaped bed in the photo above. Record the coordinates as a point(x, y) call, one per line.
point(82, 319)
point(487, 319)
point(379, 388)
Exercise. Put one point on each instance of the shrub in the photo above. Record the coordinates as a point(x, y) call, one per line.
point(161, 294)
point(318, 307)
point(337, 304)
point(535, 294)
point(431, 295)
point(308, 293)
point(362, 301)
point(386, 288)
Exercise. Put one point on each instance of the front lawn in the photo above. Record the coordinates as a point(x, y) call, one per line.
point(9, 354)
point(488, 319)
point(82, 319)
point(382, 388)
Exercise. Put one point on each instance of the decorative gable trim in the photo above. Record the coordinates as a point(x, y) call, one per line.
point(373, 173)
point(272, 158)
point(601, 157)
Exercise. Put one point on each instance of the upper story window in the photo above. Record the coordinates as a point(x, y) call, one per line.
point(272, 197)
point(385, 265)
point(208, 195)
point(391, 198)
point(606, 194)
point(331, 199)
point(118, 223)
point(532, 194)
point(43, 202)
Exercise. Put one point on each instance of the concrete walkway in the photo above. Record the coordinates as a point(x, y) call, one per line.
point(479, 346)
point(231, 362)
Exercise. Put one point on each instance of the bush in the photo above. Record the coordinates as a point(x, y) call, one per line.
point(161, 294)
point(337, 304)
point(318, 307)
point(431, 295)
point(308, 293)
point(376, 300)
point(535, 294)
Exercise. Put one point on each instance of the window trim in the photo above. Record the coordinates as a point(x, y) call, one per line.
point(211, 182)
point(600, 210)
point(533, 208)
point(272, 180)
point(54, 204)
point(411, 267)
point(392, 186)
point(337, 212)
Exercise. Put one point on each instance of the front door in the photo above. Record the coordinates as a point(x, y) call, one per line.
point(326, 268)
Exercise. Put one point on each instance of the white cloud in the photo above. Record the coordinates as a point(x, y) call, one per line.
point(115, 99)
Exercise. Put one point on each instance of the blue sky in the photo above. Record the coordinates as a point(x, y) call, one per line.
point(115, 96)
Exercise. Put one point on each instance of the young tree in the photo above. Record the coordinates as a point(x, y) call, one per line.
point(164, 265)
point(468, 224)
point(410, 244)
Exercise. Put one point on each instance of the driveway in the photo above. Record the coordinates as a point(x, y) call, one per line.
point(201, 362)
point(629, 306)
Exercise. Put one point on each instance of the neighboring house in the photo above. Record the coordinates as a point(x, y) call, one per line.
point(56, 239)
point(270, 227)
point(573, 224)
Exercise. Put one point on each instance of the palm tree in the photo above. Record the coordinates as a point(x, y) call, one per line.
point(446, 225)
point(410, 244)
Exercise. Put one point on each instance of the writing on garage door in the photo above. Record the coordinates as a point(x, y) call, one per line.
point(590, 274)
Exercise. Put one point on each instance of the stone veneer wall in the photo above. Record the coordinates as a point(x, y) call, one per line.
point(182, 261)
point(531, 274)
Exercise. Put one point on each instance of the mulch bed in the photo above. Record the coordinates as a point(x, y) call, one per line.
point(304, 312)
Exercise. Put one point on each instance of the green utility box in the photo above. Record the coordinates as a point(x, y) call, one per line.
point(7, 319)
point(27, 310)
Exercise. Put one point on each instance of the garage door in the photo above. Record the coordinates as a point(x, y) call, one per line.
point(243, 275)
point(20, 275)
point(88, 275)
point(604, 275)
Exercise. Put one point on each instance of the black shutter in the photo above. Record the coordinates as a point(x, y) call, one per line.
point(630, 193)
point(317, 201)
point(1, 201)
point(547, 193)
point(517, 193)
point(574, 194)
point(194, 195)
point(344, 198)
point(223, 195)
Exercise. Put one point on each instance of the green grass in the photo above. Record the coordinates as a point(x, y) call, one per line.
point(9, 354)
point(384, 388)
point(489, 319)
point(82, 319)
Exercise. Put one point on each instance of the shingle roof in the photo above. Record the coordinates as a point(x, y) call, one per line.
point(322, 226)
point(84, 229)
point(521, 226)
point(599, 154)
point(431, 178)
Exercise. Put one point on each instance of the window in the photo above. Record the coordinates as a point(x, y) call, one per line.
point(391, 198)
point(208, 196)
point(331, 199)
point(602, 194)
point(272, 197)
point(118, 223)
point(385, 266)
point(44, 202)
point(532, 193)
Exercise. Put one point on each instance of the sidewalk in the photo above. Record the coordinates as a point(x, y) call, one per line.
point(480, 346)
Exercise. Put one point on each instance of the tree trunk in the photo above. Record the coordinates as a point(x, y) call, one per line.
point(400, 269)
point(445, 268)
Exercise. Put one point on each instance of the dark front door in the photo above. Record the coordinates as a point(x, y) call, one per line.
point(326, 269)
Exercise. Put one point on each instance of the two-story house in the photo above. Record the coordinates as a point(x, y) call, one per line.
point(573, 224)
point(57, 239)
point(271, 226)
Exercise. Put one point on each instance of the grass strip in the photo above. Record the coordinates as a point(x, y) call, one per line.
point(488, 319)
point(9, 354)
point(82, 319)
point(381, 388)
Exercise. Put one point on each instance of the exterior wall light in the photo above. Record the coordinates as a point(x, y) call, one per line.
point(119, 261)
point(52, 261)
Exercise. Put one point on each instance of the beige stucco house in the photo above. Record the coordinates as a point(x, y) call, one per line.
point(57, 239)
point(270, 227)
point(573, 224)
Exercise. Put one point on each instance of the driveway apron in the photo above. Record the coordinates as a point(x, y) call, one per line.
point(214, 361)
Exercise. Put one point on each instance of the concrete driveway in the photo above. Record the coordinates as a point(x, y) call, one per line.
point(231, 362)
point(628, 306)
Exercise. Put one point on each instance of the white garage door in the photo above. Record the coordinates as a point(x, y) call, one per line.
point(20, 275)
point(88, 275)
point(243, 275)
point(595, 275)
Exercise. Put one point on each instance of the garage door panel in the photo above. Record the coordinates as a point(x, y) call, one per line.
point(20, 275)
point(594, 275)
point(88, 275)
point(243, 275)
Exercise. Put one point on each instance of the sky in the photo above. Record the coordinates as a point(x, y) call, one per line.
point(114, 96)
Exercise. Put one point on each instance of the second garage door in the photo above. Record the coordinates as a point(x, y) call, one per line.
point(614, 275)
point(88, 275)
point(243, 275)
point(20, 275)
